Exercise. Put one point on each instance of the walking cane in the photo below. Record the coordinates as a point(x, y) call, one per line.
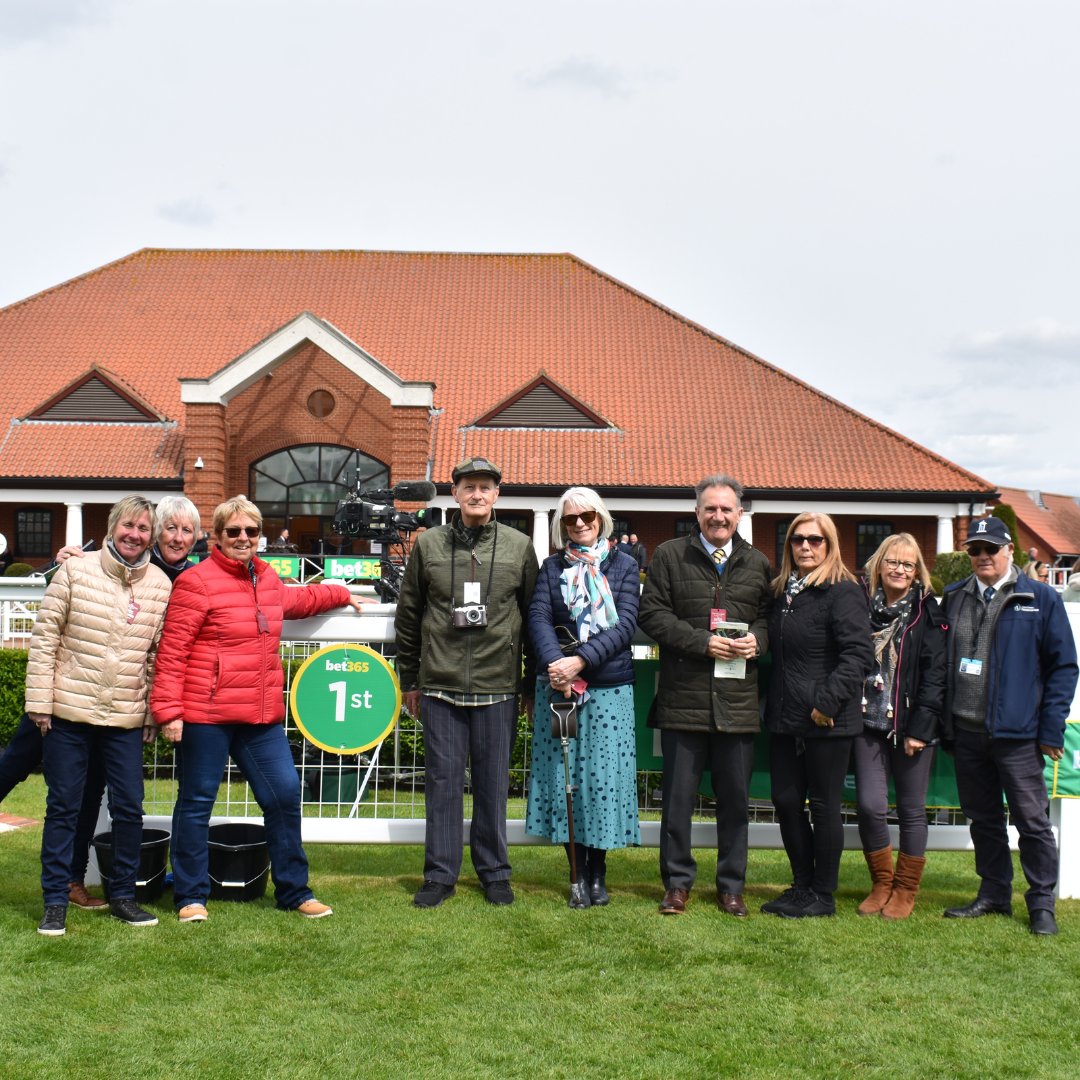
point(564, 728)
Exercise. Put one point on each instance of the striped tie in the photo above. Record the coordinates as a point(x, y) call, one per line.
point(718, 557)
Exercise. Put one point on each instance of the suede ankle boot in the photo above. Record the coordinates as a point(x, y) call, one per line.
point(909, 871)
point(881, 874)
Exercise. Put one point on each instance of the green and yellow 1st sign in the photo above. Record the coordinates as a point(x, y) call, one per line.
point(345, 698)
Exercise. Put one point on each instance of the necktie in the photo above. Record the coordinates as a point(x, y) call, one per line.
point(988, 595)
point(718, 557)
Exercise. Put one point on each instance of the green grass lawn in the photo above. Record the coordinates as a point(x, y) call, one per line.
point(383, 990)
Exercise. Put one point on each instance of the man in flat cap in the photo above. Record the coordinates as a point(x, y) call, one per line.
point(1012, 674)
point(460, 625)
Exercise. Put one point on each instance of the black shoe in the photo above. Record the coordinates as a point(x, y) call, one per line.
point(978, 907)
point(52, 925)
point(1043, 922)
point(580, 897)
point(127, 911)
point(499, 892)
point(598, 894)
point(432, 894)
point(775, 906)
point(807, 904)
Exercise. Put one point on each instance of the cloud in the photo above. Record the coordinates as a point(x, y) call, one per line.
point(582, 74)
point(187, 212)
point(36, 20)
point(1044, 342)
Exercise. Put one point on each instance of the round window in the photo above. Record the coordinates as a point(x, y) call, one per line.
point(320, 403)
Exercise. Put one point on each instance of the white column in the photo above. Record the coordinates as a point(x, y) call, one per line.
point(73, 529)
point(944, 534)
point(745, 527)
point(541, 534)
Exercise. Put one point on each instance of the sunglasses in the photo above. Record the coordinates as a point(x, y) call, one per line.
point(982, 549)
point(813, 541)
point(586, 518)
point(233, 531)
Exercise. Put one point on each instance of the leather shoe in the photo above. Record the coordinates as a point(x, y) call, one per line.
point(675, 901)
point(978, 907)
point(1043, 922)
point(732, 903)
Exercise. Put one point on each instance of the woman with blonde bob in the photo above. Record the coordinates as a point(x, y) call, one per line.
point(581, 620)
point(902, 705)
point(819, 635)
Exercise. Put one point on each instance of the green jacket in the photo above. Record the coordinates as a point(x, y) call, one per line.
point(432, 653)
point(681, 589)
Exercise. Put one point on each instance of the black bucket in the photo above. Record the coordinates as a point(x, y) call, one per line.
point(239, 861)
point(153, 857)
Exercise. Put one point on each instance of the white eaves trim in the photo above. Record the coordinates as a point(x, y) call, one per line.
point(239, 374)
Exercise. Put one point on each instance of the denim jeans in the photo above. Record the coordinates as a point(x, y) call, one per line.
point(262, 753)
point(69, 750)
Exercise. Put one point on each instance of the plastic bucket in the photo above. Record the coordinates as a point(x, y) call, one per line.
point(153, 857)
point(239, 861)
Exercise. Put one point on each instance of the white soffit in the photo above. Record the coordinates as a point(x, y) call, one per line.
point(260, 361)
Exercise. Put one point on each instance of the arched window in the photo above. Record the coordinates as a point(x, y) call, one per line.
point(308, 481)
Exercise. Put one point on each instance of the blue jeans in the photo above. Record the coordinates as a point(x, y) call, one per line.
point(23, 755)
point(262, 753)
point(68, 751)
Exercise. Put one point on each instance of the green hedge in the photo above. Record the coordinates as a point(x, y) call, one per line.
point(12, 691)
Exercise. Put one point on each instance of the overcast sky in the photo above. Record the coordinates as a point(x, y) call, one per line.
point(880, 198)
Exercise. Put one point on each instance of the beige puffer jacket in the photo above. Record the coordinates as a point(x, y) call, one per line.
point(87, 662)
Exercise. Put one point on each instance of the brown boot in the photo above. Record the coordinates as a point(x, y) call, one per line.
point(909, 869)
point(78, 896)
point(881, 874)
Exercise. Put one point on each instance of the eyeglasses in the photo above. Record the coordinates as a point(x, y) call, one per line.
point(586, 518)
point(897, 564)
point(982, 549)
point(813, 541)
point(233, 531)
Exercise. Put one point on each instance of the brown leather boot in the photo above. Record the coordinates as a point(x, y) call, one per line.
point(909, 870)
point(78, 896)
point(881, 874)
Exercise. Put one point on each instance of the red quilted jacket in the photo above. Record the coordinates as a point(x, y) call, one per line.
point(218, 658)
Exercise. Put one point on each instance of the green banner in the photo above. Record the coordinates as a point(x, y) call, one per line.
point(1062, 777)
point(359, 569)
point(286, 566)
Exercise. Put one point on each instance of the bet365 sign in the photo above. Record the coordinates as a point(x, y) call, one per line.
point(345, 698)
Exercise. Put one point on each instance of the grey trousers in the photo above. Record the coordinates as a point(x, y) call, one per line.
point(482, 736)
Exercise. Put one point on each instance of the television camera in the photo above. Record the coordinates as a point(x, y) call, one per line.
point(370, 515)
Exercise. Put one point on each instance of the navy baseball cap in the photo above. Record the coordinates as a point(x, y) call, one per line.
point(992, 530)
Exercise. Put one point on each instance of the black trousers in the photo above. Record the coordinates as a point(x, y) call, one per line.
point(810, 771)
point(985, 768)
point(730, 759)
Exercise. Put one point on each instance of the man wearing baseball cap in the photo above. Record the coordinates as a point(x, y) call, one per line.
point(460, 619)
point(1012, 674)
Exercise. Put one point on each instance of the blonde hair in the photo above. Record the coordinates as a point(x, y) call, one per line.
point(133, 507)
point(587, 499)
point(904, 540)
point(832, 568)
point(238, 504)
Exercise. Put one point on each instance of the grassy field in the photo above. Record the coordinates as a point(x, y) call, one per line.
point(383, 990)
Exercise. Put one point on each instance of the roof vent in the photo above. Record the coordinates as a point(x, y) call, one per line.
point(96, 397)
point(542, 403)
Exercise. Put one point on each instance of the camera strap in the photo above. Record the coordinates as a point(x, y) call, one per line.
point(473, 561)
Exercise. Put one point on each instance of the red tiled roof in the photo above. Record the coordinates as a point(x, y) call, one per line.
point(1056, 525)
point(684, 401)
point(43, 448)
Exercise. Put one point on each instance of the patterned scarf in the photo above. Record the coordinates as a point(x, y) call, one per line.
point(887, 625)
point(794, 586)
point(585, 589)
